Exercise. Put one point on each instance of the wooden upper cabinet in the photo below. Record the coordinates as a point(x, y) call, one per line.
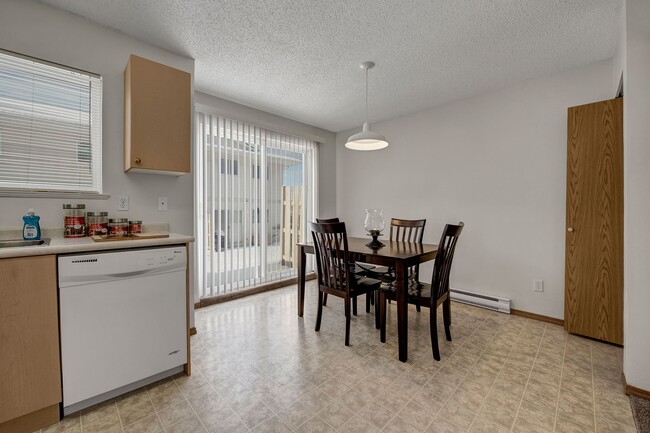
point(157, 118)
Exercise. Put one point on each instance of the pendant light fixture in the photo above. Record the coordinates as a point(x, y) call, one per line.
point(366, 139)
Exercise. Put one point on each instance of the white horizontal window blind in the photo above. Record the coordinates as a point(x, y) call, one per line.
point(256, 190)
point(50, 126)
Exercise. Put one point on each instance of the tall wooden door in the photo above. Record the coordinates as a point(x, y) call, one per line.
point(593, 298)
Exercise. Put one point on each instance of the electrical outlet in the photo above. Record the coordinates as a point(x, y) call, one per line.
point(122, 202)
point(162, 203)
point(538, 285)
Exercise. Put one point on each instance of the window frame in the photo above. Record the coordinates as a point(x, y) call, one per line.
point(93, 137)
point(219, 136)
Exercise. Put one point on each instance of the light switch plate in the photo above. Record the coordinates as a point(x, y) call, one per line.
point(122, 202)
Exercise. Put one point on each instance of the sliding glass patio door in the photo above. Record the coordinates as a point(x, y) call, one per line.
point(256, 190)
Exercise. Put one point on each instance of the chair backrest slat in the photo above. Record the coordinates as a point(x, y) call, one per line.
point(332, 257)
point(444, 259)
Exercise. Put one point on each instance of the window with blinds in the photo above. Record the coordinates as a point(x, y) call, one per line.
point(256, 190)
point(50, 126)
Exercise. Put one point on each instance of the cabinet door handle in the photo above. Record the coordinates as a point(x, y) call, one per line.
point(138, 161)
point(570, 229)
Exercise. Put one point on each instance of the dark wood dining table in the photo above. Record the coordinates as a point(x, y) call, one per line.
point(400, 255)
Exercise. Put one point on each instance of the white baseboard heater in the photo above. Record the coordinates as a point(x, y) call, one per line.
point(494, 303)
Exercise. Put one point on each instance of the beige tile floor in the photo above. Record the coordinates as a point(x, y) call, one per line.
point(258, 367)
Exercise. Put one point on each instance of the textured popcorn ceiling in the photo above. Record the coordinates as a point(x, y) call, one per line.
point(300, 58)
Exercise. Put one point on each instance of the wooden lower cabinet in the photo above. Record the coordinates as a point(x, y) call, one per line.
point(30, 370)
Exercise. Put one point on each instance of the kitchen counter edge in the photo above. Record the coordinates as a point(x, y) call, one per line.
point(67, 246)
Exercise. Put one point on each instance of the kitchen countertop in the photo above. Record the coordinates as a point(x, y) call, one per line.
point(80, 245)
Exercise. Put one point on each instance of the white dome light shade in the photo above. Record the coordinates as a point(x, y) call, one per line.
point(366, 140)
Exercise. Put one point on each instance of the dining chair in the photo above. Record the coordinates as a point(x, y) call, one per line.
point(401, 230)
point(329, 221)
point(430, 295)
point(333, 266)
point(354, 268)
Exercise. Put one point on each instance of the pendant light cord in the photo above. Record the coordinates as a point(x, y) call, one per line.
point(366, 95)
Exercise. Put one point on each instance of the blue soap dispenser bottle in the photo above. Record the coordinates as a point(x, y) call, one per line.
point(31, 226)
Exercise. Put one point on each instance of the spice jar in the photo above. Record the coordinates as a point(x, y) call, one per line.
point(135, 227)
point(118, 227)
point(74, 220)
point(97, 224)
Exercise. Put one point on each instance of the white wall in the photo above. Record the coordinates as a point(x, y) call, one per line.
point(637, 200)
point(327, 148)
point(495, 161)
point(620, 59)
point(41, 31)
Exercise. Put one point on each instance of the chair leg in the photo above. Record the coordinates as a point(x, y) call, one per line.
point(375, 298)
point(347, 322)
point(324, 300)
point(319, 314)
point(446, 317)
point(417, 308)
point(433, 325)
point(382, 317)
point(354, 305)
point(368, 298)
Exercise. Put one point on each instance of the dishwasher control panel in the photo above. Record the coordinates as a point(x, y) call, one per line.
point(86, 268)
point(156, 258)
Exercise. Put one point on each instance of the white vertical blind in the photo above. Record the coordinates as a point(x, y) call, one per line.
point(256, 190)
point(50, 126)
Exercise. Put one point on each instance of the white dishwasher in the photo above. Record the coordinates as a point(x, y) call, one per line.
point(123, 321)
